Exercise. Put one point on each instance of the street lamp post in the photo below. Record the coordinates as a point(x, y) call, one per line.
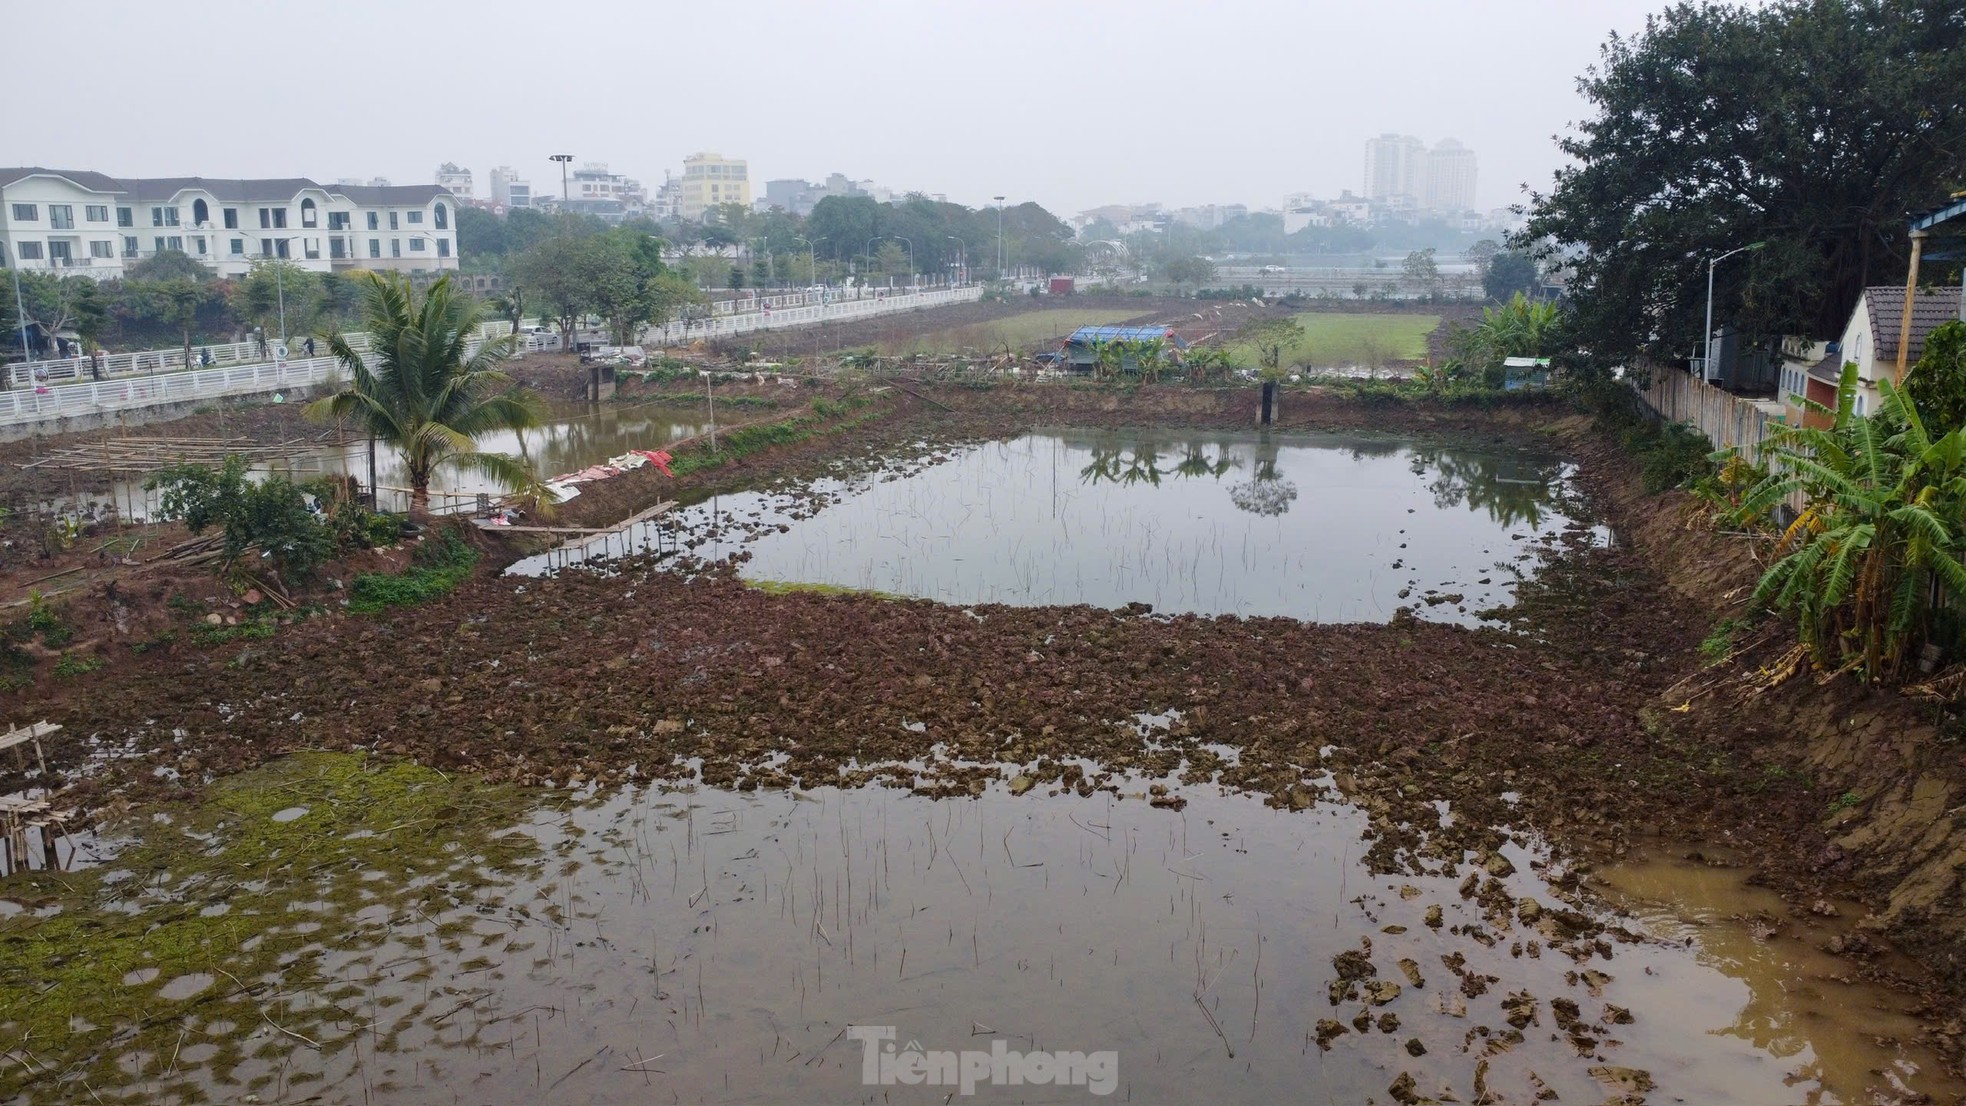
point(911, 256)
point(565, 196)
point(962, 258)
point(812, 255)
point(1706, 360)
point(1000, 250)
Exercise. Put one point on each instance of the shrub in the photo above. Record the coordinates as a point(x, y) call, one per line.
point(271, 517)
point(1669, 454)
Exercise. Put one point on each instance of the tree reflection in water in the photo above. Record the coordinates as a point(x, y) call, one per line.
point(1513, 492)
point(1266, 492)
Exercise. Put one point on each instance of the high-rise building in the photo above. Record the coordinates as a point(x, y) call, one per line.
point(1395, 165)
point(454, 180)
point(711, 181)
point(1450, 177)
point(507, 190)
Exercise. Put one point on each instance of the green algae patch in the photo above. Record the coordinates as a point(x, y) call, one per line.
point(212, 933)
point(788, 587)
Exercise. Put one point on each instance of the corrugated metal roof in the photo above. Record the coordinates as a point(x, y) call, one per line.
point(1097, 335)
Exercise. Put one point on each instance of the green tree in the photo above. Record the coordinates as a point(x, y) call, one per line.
point(424, 395)
point(1421, 274)
point(560, 275)
point(1811, 125)
point(1193, 269)
point(1273, 340)
point(482, 242)
point(177, 302)
point(54, 304)
point(1937, 385)
point(1509, 273)
point(168, 265)
point(1880, 535)
point(272, 282)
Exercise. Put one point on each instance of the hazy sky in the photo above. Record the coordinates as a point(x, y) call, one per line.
point(1071, 103)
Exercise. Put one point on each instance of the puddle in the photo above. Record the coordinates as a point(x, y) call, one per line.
point(1778, 988)
point(1321, 527)
point(703, 945)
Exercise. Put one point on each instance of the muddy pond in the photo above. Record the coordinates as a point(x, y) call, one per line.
point(1320, 527)
point(438, 942)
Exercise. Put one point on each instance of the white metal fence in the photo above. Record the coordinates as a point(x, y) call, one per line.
point(150, 387)
point(156, 377)
point(145, 362)
point(806, 313)
point(70, 400)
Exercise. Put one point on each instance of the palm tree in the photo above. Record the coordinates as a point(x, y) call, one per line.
point(1879, 539)
point(425, 393)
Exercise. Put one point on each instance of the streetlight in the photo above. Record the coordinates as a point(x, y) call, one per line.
point(1000, 251)
point(911, 255)
point(1706, 362)
point(812, 254)
point(962, 258)
point(565, 196)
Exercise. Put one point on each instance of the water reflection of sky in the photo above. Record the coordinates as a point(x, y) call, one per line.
point(1321, 527)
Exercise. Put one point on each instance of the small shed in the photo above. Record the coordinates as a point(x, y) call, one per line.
point(1081, 350)
point(1525, 372)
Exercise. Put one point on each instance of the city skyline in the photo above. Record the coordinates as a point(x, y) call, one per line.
point(995, 131)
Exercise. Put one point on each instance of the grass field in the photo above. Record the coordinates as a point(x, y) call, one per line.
point(1334, 340)
point(1021, 331)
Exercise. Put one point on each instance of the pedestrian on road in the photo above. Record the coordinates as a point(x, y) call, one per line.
point(310, 345)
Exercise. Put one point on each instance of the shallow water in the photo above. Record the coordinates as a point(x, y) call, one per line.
point(574, 437)
point(1777, 987)
point(1322, 527)
point(715, 946)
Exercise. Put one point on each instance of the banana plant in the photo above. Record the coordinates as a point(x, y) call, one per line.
point(1876, 544)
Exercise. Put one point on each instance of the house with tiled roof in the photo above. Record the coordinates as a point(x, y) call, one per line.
point(78, 222)
point(1870, 340)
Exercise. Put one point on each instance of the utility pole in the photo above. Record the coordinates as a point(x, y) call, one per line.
point(1000, 249)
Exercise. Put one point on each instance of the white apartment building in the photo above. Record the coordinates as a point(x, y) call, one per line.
point(87, 223)
point(1395, 165)
point(1450, 177)
point(455, 180)
point(508, 190)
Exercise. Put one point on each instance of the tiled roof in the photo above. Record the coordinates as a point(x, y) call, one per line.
point(275, 190)
point(94, 182)
point(393, 195)
point(1930, 308)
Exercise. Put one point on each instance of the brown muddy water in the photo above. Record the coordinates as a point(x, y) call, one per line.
point(1321, 527)
point(652, 945)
